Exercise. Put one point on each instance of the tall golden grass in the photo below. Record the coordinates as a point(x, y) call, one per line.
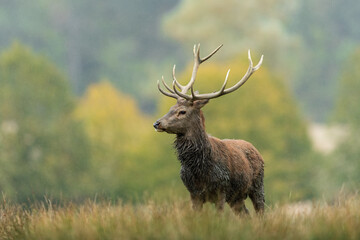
point(338, 219)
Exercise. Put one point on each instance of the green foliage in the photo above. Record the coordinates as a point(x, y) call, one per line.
point(43, 150)
point(263, 113)
point(347, 109)
point(346, 160)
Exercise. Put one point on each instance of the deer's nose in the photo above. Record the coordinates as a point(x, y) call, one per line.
point(156, 124)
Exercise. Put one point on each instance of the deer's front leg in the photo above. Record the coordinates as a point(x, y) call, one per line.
point(197, 203)
point(220, 202)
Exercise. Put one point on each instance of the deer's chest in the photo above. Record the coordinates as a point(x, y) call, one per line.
point(205, 181)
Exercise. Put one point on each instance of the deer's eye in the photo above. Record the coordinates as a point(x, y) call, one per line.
point(182, 112)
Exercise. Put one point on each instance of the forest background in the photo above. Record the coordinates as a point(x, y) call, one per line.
point(78, 93)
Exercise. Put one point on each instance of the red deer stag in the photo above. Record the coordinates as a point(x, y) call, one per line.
point(212, 170)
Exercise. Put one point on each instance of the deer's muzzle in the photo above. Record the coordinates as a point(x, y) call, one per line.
point(157, 126)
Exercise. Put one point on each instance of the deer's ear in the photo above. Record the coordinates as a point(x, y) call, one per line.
point(200, 103)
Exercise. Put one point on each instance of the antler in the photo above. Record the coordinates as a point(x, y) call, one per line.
point(197, 62)
point(175, 93)
point(224, 91)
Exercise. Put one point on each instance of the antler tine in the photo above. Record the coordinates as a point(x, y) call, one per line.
point(210, 55)
point(247, 75)
point(259, 63)
point(224, 91)
point(225, 82)
point(197, 62)
point(166, 86)
point(171, 94)
point(183, 95)
point(174, 79)
point(212, 95)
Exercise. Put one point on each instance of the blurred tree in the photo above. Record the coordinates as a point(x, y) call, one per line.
point(43, 150)
point(240, 25)
point(347, 113)
point(265, 114)
point(329, 33)
point(90, 39)
point(306, 41)
point(126, 159)
point(347, 108)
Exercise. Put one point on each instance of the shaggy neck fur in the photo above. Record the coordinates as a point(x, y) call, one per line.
point(194, 148)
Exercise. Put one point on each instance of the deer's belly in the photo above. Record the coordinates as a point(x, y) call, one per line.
point(208, 186)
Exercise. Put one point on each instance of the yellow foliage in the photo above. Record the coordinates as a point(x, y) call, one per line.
point(126, 155)
point(112, 118)
point(117, 131)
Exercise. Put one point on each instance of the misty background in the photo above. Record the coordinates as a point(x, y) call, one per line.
point(78, 93)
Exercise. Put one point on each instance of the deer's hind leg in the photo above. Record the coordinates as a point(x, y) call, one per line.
point(239, 208)
point(257, 194)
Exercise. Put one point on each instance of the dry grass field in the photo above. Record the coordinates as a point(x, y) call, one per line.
point(338, 219)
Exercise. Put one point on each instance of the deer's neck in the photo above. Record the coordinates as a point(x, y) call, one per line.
point(194, 148)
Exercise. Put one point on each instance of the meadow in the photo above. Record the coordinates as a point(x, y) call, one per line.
point(336, 219)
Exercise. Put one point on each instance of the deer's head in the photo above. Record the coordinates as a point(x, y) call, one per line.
point(186, 114)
